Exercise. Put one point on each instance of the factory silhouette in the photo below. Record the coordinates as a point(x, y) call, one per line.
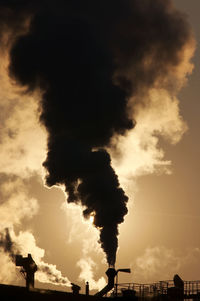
point(176, 289)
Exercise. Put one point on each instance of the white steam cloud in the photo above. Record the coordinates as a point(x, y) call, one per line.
point(47, 273)
point(157, 115)
point(87, 235)
point(22, 151)
point(140, 148)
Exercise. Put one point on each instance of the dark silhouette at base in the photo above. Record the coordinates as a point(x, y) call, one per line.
point(28, 269)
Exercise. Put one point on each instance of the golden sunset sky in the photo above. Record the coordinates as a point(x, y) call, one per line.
point(158, 168)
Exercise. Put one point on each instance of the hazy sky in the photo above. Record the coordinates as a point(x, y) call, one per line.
point(169, 204)
point(160, 235)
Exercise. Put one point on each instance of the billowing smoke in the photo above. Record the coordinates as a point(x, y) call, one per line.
point(94, 62)
point(47, 273)
point(20, 162)
point(7, 244)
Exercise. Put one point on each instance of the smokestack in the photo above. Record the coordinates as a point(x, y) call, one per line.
point(75, 288)
point(29, 268)
point(28, 265)
point(111, 273)
point(87, 291)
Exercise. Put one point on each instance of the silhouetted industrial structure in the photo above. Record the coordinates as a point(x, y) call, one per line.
point(176, 289)
point(111, 273)
point(28, 269)
point(169, 290)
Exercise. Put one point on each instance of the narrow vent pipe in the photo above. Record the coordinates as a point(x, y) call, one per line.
point(111, 273)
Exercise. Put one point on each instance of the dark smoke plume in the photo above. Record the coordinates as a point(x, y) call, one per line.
point(7, 244)
point(88, 57)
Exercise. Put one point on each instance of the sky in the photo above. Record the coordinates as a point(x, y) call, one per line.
point(157, 164)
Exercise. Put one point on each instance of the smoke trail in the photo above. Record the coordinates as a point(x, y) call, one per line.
point(20, 159)
point(84, 232)
point(87, 274)
point(94, 61)
point(48, 273)
point(7, 244)
point(7, 255)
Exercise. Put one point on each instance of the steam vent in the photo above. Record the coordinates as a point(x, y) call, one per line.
point(176, 289)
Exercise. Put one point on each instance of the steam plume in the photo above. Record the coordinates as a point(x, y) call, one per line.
point(47, 273)
point(6, 243)
point(20, 160)
point(94, 61)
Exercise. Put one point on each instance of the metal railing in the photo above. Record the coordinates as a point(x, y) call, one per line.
point(191, 289)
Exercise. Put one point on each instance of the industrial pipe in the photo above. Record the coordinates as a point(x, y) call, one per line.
point(111, 273)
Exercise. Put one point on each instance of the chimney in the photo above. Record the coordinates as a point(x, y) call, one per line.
point(75, 288)
point(28, 269)
point(87, 288)
point(111, 273)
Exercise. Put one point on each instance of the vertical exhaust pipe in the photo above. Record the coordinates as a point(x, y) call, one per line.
point(111, 273)
point(87, 290)
point(28, 269)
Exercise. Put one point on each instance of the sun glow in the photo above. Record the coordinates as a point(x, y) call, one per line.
point(91, 219)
